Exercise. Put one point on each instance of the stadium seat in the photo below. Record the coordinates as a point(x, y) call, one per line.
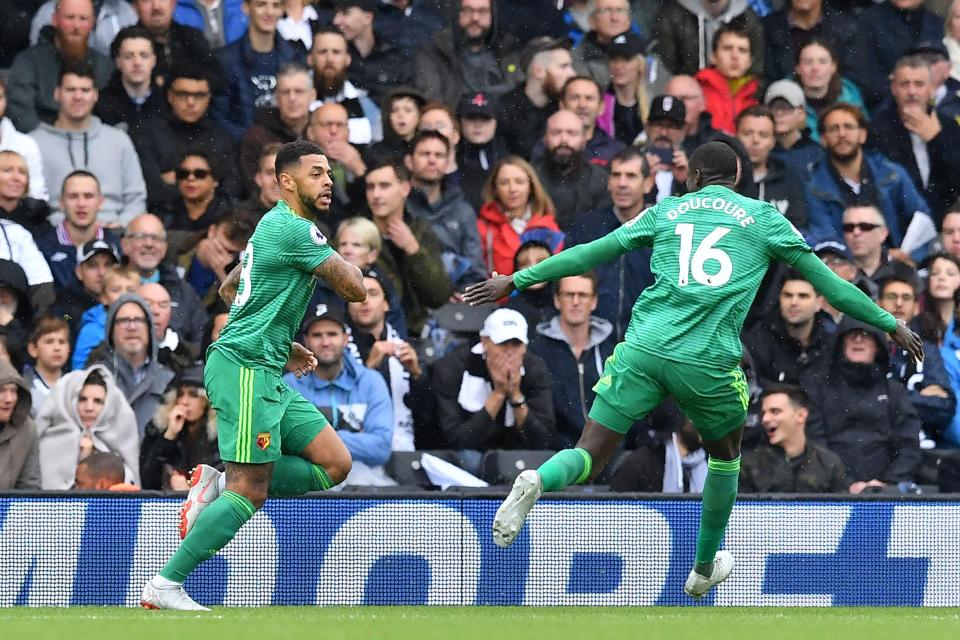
point(503, 466)
point(404, 466)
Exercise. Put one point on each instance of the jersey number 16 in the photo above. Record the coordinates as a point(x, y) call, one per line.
point(705, 251)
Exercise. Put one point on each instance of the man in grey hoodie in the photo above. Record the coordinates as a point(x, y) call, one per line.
point(19, 450)
point(684, 32)
point(79, 140)
point(130, 353)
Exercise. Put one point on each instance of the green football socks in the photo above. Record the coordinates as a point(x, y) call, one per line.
point(215, 527)
point(719, 494)
point(567, 467)
point(294, 476)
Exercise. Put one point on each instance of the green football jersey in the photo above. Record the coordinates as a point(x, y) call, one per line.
point(276, 285)
point(711, 250)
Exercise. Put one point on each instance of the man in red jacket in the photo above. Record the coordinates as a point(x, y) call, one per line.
point(728, 87)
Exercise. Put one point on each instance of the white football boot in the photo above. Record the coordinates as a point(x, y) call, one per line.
point(697, 586)
point(174, 598)
point(511, 515)
point(204, 489)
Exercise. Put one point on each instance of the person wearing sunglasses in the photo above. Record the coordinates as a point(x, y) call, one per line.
point(866, 233)
point(200, 203)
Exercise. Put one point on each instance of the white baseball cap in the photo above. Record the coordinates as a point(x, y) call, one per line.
point(503, 325)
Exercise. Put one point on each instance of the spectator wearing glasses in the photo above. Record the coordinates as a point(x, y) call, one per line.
point(145, 248)
point(117, 281)
point(574, 344)
point(130, 354)
point(865, 232)
point(849, 174)
point(927, 383)
point(163, 141)
point(201, 203)
point(172, 351)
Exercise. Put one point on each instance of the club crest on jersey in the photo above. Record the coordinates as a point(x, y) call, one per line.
point(263, 440)
point(317, 236)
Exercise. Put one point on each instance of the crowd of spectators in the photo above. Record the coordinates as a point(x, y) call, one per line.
point(138, 141)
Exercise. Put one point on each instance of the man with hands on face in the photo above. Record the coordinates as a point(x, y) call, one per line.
point(495, 394)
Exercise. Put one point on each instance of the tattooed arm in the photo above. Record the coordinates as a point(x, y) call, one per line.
point(228, 290)
point(344, 277)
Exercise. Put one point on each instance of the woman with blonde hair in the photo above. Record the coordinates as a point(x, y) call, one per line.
point(635, 79)
point(517, 209)
point(15, 201)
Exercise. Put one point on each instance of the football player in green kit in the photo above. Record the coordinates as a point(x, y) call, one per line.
point(271, 439)
point(711, 249)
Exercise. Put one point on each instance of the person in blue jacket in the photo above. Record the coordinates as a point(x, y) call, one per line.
point(354, 399)
point(850, 175)
point(222, 24)
point(250, 68)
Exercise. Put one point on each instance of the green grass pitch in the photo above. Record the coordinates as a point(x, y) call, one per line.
point(481, 623)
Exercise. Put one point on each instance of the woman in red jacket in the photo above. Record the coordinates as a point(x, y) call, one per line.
point(517, 210)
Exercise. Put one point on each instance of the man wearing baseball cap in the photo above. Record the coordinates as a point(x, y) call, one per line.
point(480, 147)
point(663, 149)
point(522, 116)
point(494, 394)
point(795, 145)
point(354, 399)
point(92, 261)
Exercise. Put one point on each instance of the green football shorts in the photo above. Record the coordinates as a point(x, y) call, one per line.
point(259, 417)
point(635, 382)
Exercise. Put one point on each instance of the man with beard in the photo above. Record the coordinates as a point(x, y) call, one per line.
point(162, 142)
point(112, 17)
point(470, 56)
point(330, 61)
point(574, 185)
point(912, 133)
point(851, 175)
point(174, 44)
point(35, 72)
point(523, 112)
point(376, 64)
point(283, 123)
point(250, 67)
point(444, 207)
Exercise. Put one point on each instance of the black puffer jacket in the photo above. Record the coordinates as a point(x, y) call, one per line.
point(780, 358)
point(864, 417)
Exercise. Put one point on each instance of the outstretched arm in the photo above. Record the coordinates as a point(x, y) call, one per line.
point(228, 289)
point(849, 299)
point(345, 278)
point(569, 262)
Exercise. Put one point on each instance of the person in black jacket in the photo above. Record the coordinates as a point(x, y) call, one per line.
point(911, 121)
point(181, 435)
point(622, 281)
point(788, 462)
point(861, 415)
point(495, 394)
point(777, 182)
point(574, 344)
point(574, 184)
point(480, 147)
point(132, 95)
point(162, 142)
point(787, 30)
point(15, 204)
point(890, 30)
point(791, 344)
point(522, 114)
point(376, 63)
point(174, 44)
point(536, 301)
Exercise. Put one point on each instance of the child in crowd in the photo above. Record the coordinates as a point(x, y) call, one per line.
point(49, 347)
point(120, 279)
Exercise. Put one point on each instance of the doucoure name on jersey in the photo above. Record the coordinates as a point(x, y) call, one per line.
point(717, 204)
